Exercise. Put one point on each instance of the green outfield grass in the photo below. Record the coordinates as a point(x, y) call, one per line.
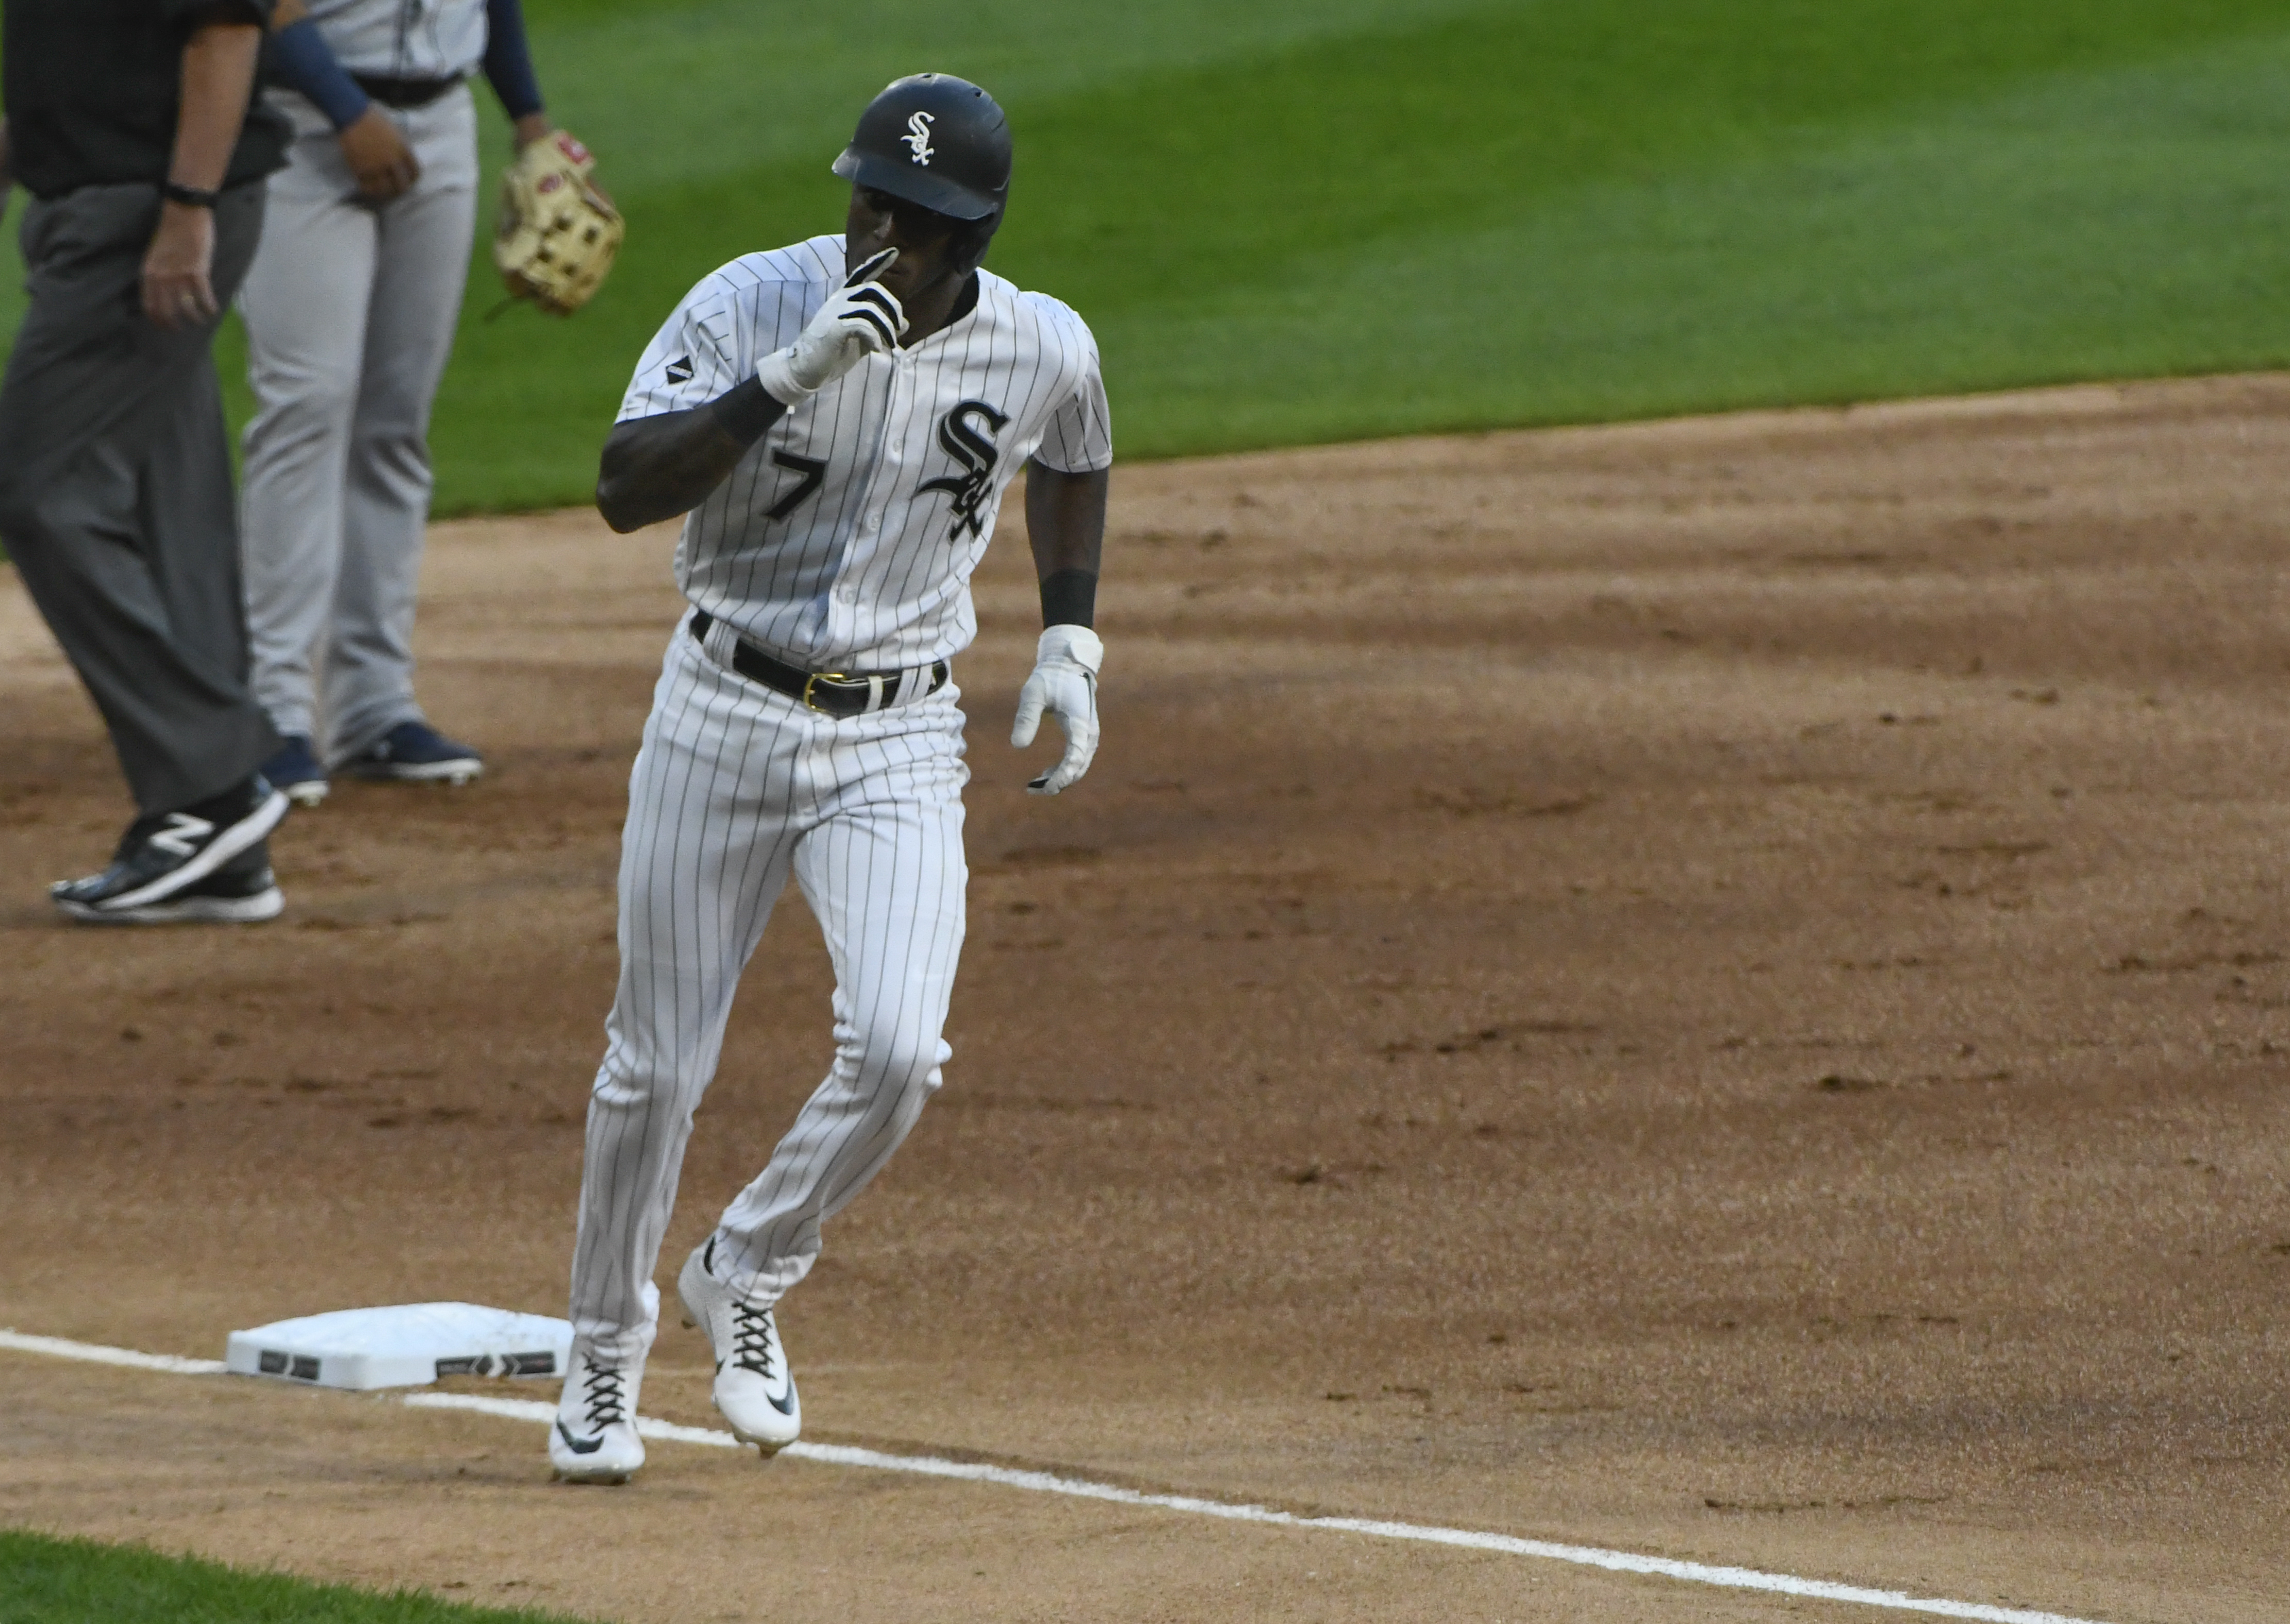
point(1366, 217)
point(73, 1581)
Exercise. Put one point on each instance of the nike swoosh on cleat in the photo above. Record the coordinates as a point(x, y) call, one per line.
point(785, 1406)
point(577, 1445)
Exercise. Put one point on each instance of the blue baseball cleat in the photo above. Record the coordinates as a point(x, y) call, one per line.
point(296, 771)
point(415, 753)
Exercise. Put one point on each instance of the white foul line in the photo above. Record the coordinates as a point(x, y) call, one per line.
point(93, 1355)
point(1077, 1488)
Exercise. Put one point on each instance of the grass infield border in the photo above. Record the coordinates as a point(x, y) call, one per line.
point(46, 1578)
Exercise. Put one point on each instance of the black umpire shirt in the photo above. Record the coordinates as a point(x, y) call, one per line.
point(93, 88)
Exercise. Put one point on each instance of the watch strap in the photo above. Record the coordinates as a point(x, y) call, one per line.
point(190, 196)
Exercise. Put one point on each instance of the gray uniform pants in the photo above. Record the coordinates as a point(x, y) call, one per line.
point(349, 312)
point(115, 492)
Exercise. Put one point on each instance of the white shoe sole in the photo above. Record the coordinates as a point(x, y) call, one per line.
point(306, 794)
point(592, 1480)
point(454, 772)
point(186, 910)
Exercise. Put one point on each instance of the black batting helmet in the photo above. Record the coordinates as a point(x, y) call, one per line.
point(934, 140)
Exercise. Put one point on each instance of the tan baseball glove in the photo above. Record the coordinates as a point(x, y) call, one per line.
point(557, 232)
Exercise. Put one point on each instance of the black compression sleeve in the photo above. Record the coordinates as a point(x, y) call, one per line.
point(747, 412)
point(1069, 597)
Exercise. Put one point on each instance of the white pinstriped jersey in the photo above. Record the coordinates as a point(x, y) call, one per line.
point(404, 39)
point(844, 540)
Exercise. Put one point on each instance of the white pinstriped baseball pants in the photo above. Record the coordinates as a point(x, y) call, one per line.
point(736, 788)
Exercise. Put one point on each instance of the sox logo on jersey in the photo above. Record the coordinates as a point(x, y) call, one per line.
point(829, 548)
point(971, 446)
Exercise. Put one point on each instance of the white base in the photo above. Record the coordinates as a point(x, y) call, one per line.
point(407, 1346)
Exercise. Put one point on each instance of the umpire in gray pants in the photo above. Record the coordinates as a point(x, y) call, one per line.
point(130, 122)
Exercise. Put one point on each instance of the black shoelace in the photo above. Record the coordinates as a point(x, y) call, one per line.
point(606, 1402)
point(751, 1338)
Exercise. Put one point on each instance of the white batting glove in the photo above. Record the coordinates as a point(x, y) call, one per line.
point(861, 319)
point(1064, 684)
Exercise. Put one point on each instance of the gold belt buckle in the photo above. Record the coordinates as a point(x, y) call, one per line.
point(817, 677)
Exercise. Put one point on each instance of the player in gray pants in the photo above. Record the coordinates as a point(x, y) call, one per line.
point(350, 310)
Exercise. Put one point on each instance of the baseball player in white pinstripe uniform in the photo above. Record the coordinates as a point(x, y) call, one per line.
point(838, 420)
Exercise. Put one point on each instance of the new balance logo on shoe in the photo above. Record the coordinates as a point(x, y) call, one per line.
point(182, 835)
point(178, 866)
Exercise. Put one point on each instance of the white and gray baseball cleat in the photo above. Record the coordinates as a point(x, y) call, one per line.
point(755, 1390)
point(595, 1438)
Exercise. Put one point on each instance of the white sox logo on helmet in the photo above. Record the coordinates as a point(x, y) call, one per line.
point(917, 138)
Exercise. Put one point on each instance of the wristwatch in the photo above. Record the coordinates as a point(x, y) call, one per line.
point(189, 196)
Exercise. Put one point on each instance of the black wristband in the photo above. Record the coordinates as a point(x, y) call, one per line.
point(1069, 597)
point(189, 196)
point(747, 412)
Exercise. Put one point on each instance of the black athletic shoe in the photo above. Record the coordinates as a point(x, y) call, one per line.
point(295, 770)
point(416, 753)
point(162, 856)
point(241, 891)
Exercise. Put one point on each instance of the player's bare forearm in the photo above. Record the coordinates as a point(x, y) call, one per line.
point(1065, 522)
point(657, 468)
point(218, 76)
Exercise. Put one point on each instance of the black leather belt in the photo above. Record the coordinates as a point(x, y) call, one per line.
point(838, 693)
point(403, 92)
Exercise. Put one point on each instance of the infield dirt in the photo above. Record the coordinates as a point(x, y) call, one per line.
point(1714, 988)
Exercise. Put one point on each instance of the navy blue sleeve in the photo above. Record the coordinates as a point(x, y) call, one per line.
point(300, 59)
point(509, 64)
